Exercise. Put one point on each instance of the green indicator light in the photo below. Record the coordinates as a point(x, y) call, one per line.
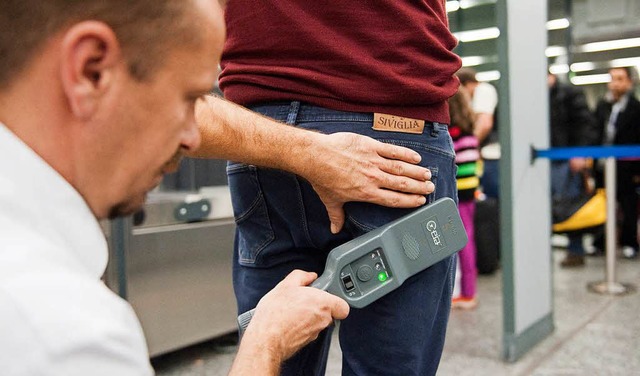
point(382, 276)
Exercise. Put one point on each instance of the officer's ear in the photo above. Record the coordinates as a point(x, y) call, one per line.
point(90, 58)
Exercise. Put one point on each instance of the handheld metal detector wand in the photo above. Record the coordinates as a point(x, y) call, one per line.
point(370, 266)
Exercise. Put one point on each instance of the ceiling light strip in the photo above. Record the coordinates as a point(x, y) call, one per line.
point(558, 24)
point(591, 79)
point(477, 35)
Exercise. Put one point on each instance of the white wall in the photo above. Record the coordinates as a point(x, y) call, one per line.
point(524, 196)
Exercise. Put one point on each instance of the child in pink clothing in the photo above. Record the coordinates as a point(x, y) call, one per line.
point(465, 145)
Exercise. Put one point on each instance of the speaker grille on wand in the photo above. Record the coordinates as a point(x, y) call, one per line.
point(410, 246)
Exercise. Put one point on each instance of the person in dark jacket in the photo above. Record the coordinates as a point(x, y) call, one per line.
point(571, 124)
point(618, 121)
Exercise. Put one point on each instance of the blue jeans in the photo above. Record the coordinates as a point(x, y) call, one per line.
point(490, 179)
point(282, 225)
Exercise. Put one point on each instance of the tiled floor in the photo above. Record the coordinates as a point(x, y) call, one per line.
point(594, 335)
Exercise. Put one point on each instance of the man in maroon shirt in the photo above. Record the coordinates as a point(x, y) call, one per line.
point(102, 107)
point(383, 69)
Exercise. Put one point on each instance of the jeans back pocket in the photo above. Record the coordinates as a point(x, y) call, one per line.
point(254, 231)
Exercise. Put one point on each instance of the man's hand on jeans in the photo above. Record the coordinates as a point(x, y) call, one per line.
point(347, 167)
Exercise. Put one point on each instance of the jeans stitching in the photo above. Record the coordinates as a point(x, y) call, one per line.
point(452, 273)
point(241, 168)
point(259, 248)
point(340, 118)
point(303, 213)
point(251, 209)
point(256, 250)
point(434, 179)
point(359, 224)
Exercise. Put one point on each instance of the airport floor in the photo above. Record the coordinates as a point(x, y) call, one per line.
point(594, 334)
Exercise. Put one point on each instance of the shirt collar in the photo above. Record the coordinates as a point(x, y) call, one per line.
point(40, 197)
point(622, 102)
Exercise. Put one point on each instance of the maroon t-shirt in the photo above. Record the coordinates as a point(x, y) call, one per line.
point(386, 56)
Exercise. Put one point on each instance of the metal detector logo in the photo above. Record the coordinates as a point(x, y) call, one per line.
point(434, 235)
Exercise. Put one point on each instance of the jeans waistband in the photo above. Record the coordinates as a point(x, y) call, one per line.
point(300, 112)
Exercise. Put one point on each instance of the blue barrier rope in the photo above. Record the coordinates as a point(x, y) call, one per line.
point(620, 151)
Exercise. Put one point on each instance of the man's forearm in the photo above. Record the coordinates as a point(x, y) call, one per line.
point(341, 167)
point(255, 359)
point(231, 132)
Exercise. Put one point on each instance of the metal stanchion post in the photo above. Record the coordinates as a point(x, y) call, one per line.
point(609, 285)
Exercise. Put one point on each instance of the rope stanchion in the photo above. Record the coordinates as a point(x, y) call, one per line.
point(609, 286)
point(617, 152)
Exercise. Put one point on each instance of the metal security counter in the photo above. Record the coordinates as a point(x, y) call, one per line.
point(174, 266)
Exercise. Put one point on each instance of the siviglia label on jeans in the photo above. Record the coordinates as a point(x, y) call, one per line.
point(392, 123)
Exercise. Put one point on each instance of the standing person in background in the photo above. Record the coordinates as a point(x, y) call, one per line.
point(570, 124)
point(465, 145)
point(618, 121)
point(484, 99)
point(379, 68)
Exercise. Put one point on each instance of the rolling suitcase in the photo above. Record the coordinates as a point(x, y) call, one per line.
point(487, 235)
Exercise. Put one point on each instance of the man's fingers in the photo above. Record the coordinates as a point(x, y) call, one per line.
point(394, 199)
point(340, 309)
point(409, 170)
point(299, 278)
point(336, 216)
point(406, 185)
point(397, 152)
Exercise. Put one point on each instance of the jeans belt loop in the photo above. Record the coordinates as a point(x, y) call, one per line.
point(294, 108)
point(434, 129)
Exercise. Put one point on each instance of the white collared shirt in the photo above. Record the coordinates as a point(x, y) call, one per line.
point(56, 316)
point(612, 122)
point(485, 99)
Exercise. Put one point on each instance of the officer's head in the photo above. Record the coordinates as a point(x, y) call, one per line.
point(104, 90)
